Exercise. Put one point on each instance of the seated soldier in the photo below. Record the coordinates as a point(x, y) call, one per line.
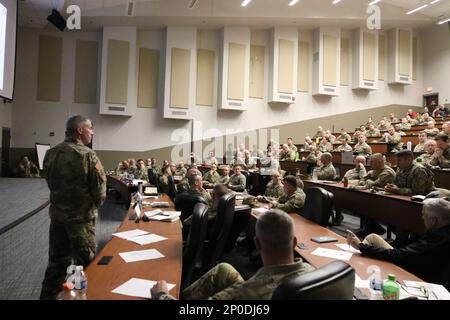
point(441, 156)
point(446, 128)
point(383, 126)
point(372, 132)
point(344, 147)
point(154, 166)
point(237, 181)
point(411, 178)
point(211, 159)
point(425, 158)
point(286, 154)
point(268, 164)
point(326, 171)
point(412, 121)
point(394, 140)
point(122, 168)
point(141, 170)
point(380, 174)
point(274, 189)
point(196, 188)
point(275, 240)
point(148, 163)
point(398, 129)
point(425, 118)
point(359, 172)
point(355, 136)
point(362, 148)
point(308, 144)
point(330, 137)
point(426, 256)
point(27, 169)
point(164, 180)
point(248, 162)
point(363, 130)
point(422, 140)
point(291, 145)
point(392, 118)
point(405, 125)
point(343, 136)
point(225, 177)
point(181, 170)
point(132, 168)
point(195, 167)
point(211, 177)
point(183, 185)
point(431, 131)
point(293, 198)
point(320, 133)
point(325, 146)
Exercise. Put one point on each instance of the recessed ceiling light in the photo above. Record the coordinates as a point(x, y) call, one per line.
point(336, 1)
point(245, 2)
point(293, 2)
point(444, 21)
point(434, 1)
point(417, 9)
point(373, 2)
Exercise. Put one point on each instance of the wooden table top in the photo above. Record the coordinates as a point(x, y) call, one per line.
point(102, 279)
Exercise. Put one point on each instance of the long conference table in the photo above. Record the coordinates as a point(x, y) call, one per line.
point(102, 279)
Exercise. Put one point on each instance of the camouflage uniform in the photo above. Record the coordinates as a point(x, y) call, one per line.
point(164, 184)
point(77, 183)
point(383, 127)
point(342, 148)
point(223, 282)
point(237, 182)
point(373, 133)
point(328, 147)
point(121, 170)
point(414, 180)
point(211, 160)
point(202, 193)
point(287, 156)
point(312, 157)
point(431, 133)
point(378, 178)
point(425, 159)
point(245, 164)
point(292, 203)
point(180, 172)
point(274, 190)
point(420, 147)
point(395, 142)
point(331, 138)
point(442, 161)
point(29, 171)
point(183, 185)
point(141, 174)
point(405, 126)
point(344, 137)
point(211, 177)
point(362, 149)
point(356, 173)
point(293, 148)
point(326, 172)
point(394, 120)
point(224, 180)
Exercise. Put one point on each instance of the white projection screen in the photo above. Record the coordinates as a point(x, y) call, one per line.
point(8, 29)
point(41, 150)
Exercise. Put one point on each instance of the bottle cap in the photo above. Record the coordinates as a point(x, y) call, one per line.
point(391, 277)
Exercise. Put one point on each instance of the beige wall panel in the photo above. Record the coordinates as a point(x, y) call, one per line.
point(257, 58)
point(303, 66)
point(205, 77)
point(345, 61)
point(382, 57)
point(369, 56)
point(415, 53)
point(404, 52)
point(117, 72)
point(236, 71)
point(86, 72)
point(286, 66)
point(329, 61)
point(148, 78)
point(180, 78)
point(49, 68)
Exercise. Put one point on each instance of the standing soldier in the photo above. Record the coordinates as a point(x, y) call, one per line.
point(77, 183)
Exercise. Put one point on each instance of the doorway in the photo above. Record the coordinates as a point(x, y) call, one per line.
point(431, 101)
point(6, 144)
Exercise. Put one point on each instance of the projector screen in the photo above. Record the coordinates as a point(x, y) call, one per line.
point(8, 29)
point(41, 150)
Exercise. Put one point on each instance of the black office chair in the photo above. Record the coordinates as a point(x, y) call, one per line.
point(172, 191)
point(185, 203)
point(192, 251)
point(334, 281)
point(220, 231)
point(121, 189)
point(240, 221)
point(318, 205)
point(152, 176)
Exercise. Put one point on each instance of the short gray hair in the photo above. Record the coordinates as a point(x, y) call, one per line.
point(275, 229)
point(439, 208)
point(193, 179)
point(73, 123)
point(327, 155)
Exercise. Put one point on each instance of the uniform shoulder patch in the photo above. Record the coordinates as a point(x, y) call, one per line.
point(99, 166)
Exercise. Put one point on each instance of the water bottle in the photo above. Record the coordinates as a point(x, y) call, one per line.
point(391, 289)
point(314, 175)
point(80, 283)
point(409, 145)
point(140, 188)
point(375, 283)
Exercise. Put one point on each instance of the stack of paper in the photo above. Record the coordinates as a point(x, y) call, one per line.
point(141, 255)
point(348, 248)
point(425, 291)
point(135, 182)
point(139, 236)
point(334, 254)
point(138, 288)
point(130, 234)
point(167, 216)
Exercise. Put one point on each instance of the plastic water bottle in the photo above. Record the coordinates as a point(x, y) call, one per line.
point(409, 145)
point(391, 289)
point(80, 283)
point(375, 283)
point(314, 175)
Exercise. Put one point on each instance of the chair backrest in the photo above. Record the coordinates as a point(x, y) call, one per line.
point(172, 191)
point(120, 187)
point(334, 281)
point(240, 221)
point(152, 176)
point(221, 230)
point(318, 205)
point(193, 249)
point(185, 203)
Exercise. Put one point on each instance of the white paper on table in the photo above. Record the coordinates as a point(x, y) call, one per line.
point(171, 213)
point(147, 239)
point(261, 210)
point(140, 255)
point(347, 248)
point(440, 292)
point(360, 283)
point(137, 210)
point(135, 182)
point(130, 234)
point(334, 254)
point(150, 197)
point(138, 288)
point(152, 213)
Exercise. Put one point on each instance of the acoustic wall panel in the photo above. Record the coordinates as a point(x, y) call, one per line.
point(285, 66)
point(49, 68)
point(236, 71)
point(369, 55)
point(148, 78)
point(180, 76)
point(303, 66)
point(205, 77)
point(117, 67)
point(404, 52)
point(414, 57)
point(86, 72)
point(256, 82)
point(345, 61)
point(382, 57)
point(329, 61)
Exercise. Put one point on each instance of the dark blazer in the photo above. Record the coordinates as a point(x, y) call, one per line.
point(427, 256)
